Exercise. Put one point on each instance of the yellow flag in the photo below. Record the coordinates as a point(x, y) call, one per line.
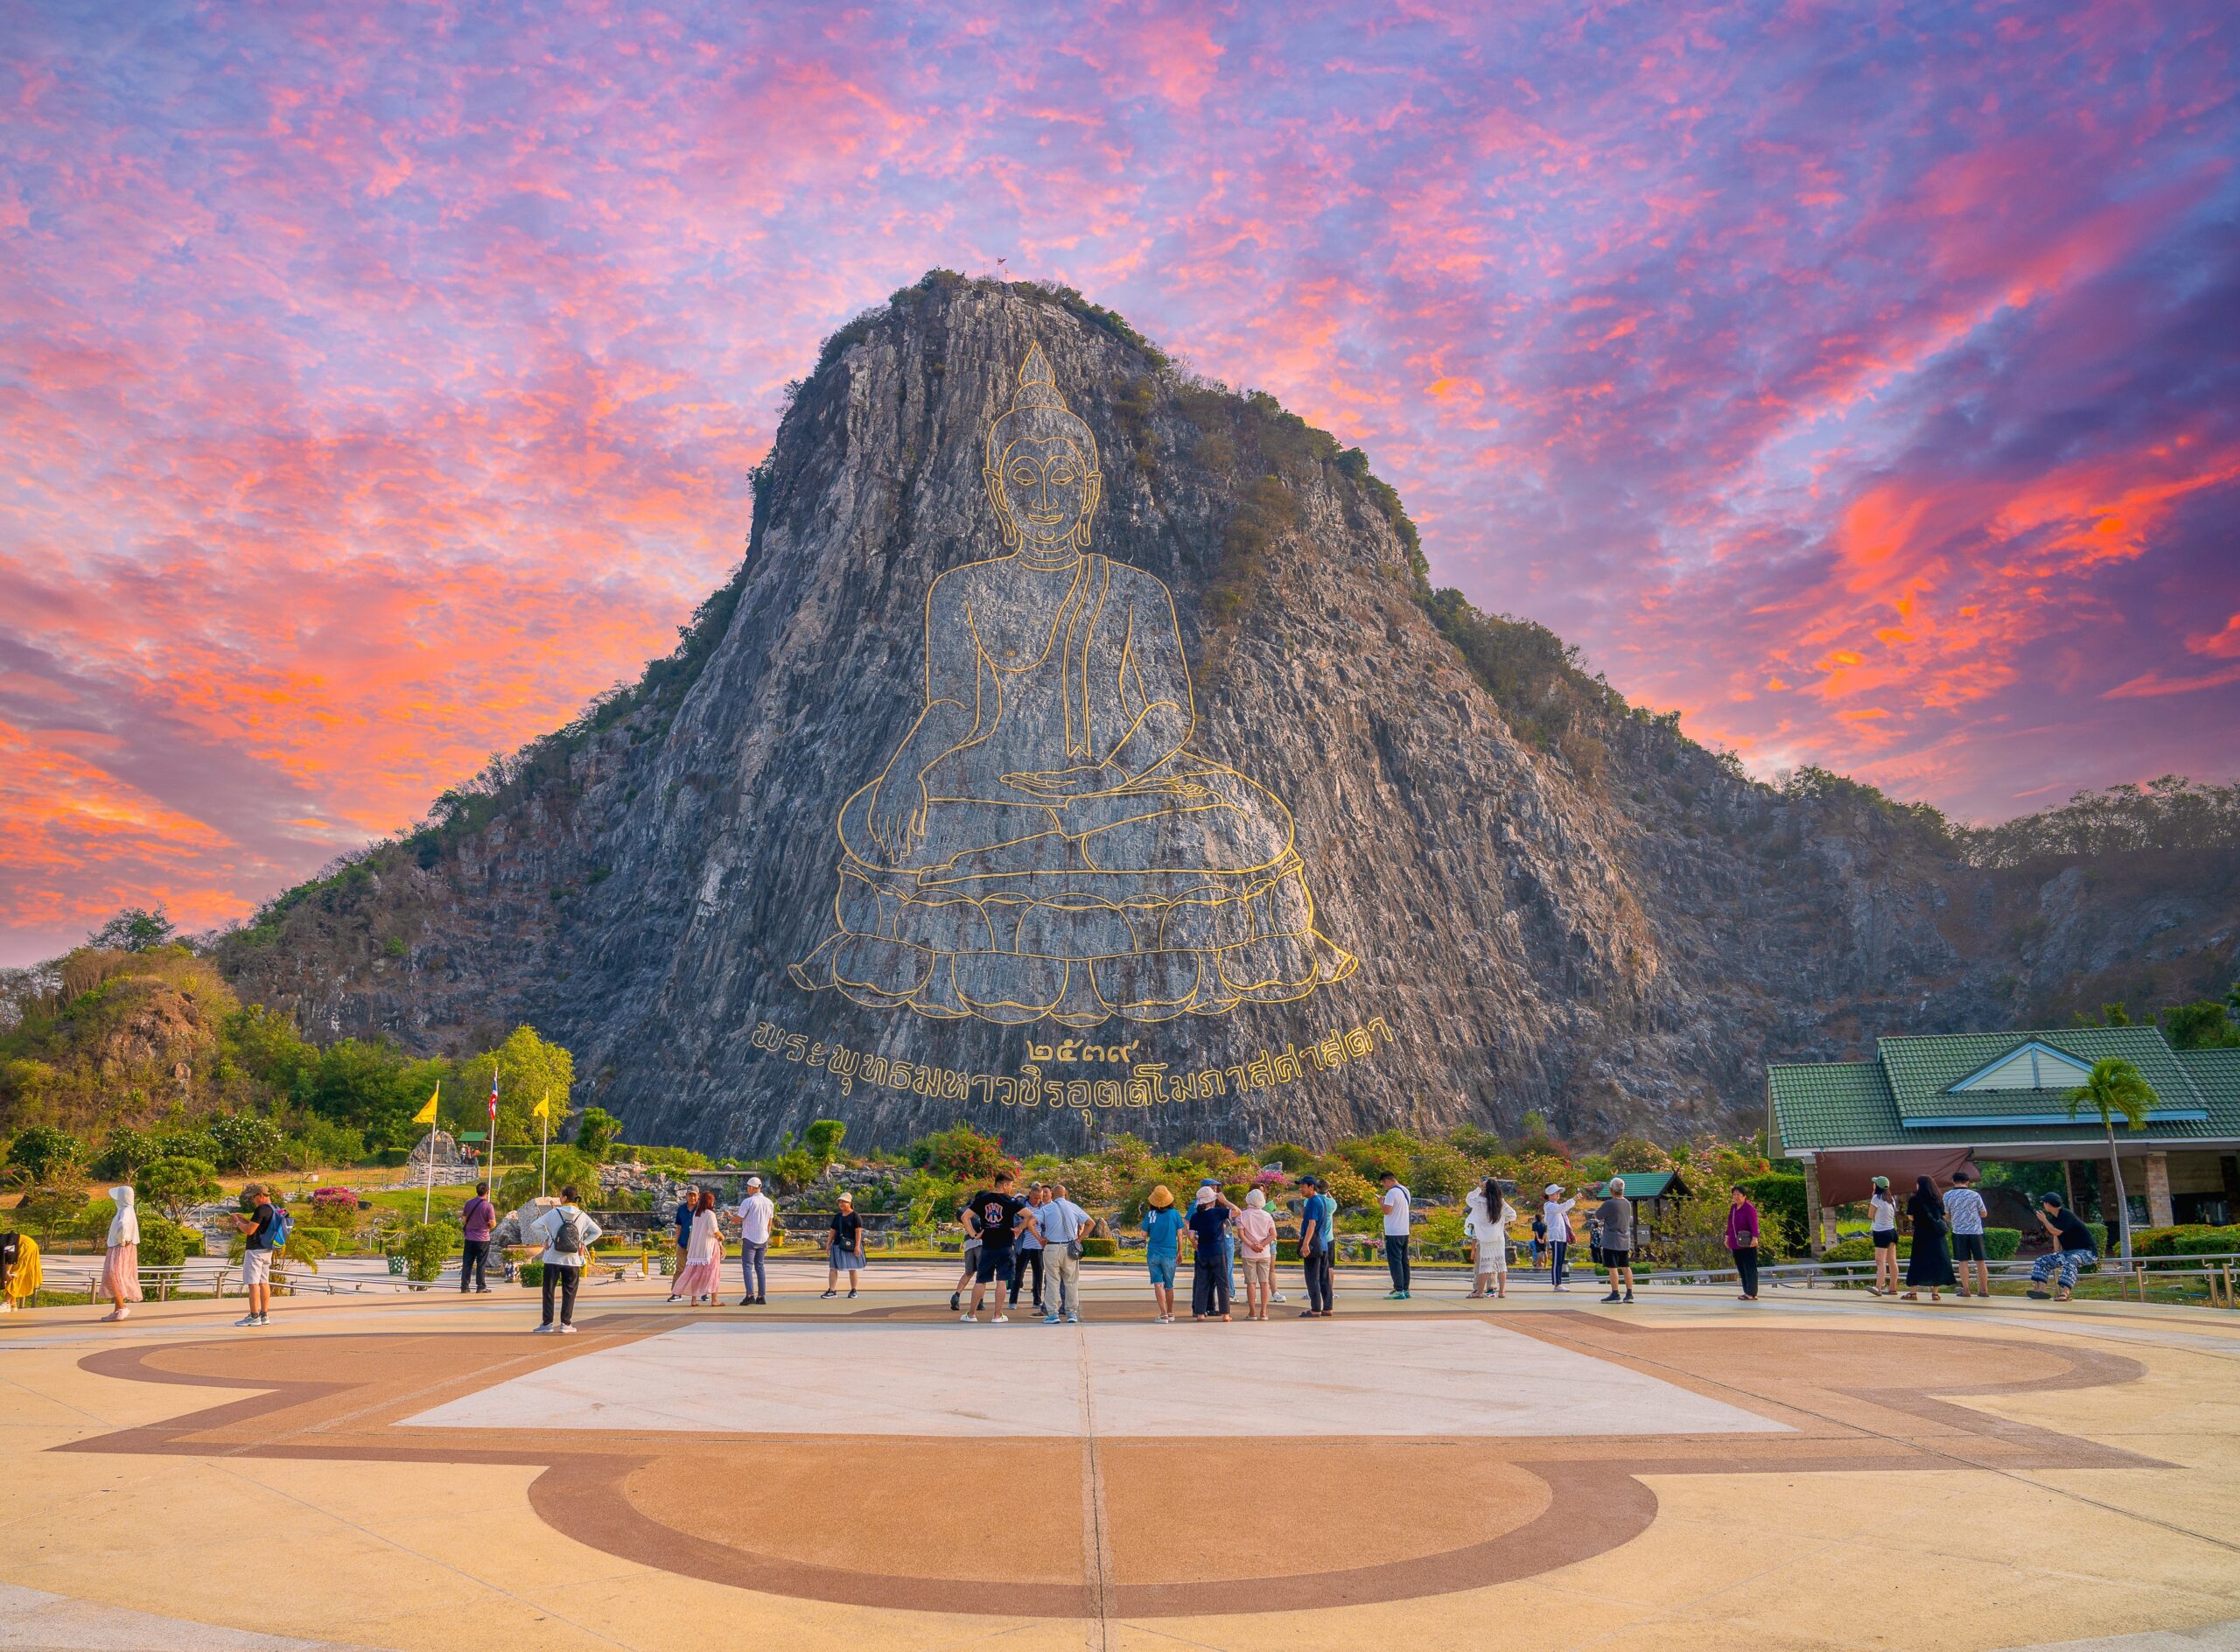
point(427, 1115)
point(543, 1108)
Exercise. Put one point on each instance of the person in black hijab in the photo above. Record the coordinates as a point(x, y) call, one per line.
point(1930, 1262)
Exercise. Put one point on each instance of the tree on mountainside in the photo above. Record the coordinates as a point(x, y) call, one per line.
point(134, 929)
point(44, 1154)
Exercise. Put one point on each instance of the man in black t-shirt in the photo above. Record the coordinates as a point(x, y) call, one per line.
point(994, 1216)
point(2076, 1248)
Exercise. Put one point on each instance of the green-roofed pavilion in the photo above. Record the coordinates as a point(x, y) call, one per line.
point(1927, 1104)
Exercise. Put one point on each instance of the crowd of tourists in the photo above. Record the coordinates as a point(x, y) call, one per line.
point(1027, 1239)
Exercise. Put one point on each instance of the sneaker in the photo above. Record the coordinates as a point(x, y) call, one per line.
point(1393, 1296)
point(673, 1297)
point(1051, 1318)
point(567, 1330)
point(967, 1319)
point(953, 1297)
point(1000, 1319)
point(249, 1322)
point(1276, 1297)
point(746, 1302)
point(1614, 1296)
point(1629, 1297)
point(851, 1296)
point(827, 1297)
point(1560, 1287)
point(1072, 1319)
point(543, 1330)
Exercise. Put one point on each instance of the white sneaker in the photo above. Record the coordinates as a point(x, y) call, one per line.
point(248, 1324)
point(544, 1330)
point(567, 1330)
point(967, 1319)
point(1278, 1296)
point(1001, 1319)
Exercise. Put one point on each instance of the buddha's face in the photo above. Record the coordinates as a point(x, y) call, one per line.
point(1047, 490)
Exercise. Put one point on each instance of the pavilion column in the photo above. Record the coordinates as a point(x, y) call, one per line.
point(1813, 1214)
point(2158, 1213)
point(2105, 1174)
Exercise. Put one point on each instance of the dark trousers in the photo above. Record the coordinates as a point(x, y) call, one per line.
point(567, 1279)
point(1024, 1263)
point(1395, 1259)
point(1557, 1250)
point(751, 1269)
point(1317, 1264)
point(1209, 1282)
point(475, 1265)
point(1745, 1264)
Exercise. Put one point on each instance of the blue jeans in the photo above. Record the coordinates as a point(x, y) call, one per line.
point(1162, 1269)
point(2068, 1263)
point(750, 1266)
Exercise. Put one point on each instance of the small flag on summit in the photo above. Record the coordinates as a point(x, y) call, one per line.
point(427, 1115)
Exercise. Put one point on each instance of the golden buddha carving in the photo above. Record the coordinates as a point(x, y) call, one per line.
point(1044, 843)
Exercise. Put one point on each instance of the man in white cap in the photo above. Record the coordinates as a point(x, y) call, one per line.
point(1554, 1211)
point(755, 1214)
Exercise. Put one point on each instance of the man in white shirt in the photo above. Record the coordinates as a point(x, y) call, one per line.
point(1964, 1211)
point(1060, 1222)
point(756, 1215)
point(1394, 1201)
point(567, 1235)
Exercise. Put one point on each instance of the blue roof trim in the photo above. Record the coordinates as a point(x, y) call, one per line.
point(2158, 1116)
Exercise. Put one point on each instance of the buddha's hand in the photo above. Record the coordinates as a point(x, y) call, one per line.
point(898, 814)
point(1086, 781)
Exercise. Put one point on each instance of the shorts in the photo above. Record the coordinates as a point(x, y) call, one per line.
point(1885, 1238)
point(995, 1263)
point(1162, 1269)
point(1969, 1247)
point(1617, 1258)
point(1257, 1269)
point(257, 1267)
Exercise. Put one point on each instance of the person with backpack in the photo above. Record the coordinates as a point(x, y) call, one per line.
point(567, 1235)
point(267, 1227)
point(480, 1220)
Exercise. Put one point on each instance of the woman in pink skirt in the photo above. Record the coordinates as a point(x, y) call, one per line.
point(704, 1256)
point(121, 1268)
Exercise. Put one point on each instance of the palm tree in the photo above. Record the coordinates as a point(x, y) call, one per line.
point(2116, 1088)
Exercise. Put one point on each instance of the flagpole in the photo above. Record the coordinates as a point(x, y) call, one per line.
point(545, 1163)
point(428, 1197)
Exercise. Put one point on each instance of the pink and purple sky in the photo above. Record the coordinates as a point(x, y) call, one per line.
point(378, 382)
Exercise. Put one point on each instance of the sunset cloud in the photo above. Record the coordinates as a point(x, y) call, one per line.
point(379, 382)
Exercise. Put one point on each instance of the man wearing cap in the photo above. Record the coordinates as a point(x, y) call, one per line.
point(1554, 1212)
point(997, 1213)
point(1395, 1202)
point(755, 1214)
point(2073, 1251)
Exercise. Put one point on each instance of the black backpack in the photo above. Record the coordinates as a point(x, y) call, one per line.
point(565, 1239)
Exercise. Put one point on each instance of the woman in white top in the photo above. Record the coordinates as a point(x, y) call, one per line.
point(704, 1254)
point(1489, 1237)
point(1256, 1249)
point(1555, 1213)
point(121, 1268)
point(1882, 1227)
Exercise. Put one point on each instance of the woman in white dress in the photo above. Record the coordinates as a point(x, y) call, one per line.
point(120, 1267)
point(704, 1254)
point(1486, 1219)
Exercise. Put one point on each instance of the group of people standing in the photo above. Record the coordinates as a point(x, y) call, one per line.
point(1948, 1228)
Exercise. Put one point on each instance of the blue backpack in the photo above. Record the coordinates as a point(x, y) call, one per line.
point(284, 1225)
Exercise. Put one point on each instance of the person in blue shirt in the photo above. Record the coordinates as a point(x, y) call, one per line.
point(1317, 1239)
point(1163, 1250)
point(682, 1222)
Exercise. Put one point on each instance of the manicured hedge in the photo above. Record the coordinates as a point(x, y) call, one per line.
point(532, 1275)
point(2001, 1243)
point(1100, 1247)
point(2187, 1239)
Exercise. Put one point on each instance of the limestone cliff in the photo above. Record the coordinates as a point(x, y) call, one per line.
point(1556, 903)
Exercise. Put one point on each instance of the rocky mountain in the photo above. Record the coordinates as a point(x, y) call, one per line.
point(1315, 851)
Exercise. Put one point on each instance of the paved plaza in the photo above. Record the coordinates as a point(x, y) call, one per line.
point(1818, 1471)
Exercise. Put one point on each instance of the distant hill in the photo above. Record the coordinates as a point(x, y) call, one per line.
point(1555, 901)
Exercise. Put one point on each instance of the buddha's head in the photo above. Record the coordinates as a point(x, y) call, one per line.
point(1041, 466)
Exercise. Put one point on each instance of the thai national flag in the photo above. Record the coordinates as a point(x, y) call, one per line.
point(494, 1097)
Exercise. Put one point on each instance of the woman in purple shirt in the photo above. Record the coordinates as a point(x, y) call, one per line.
point(1742, 1240)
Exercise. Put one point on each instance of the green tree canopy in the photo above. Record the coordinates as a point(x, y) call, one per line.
point(134, 929)
point(171, 1185)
